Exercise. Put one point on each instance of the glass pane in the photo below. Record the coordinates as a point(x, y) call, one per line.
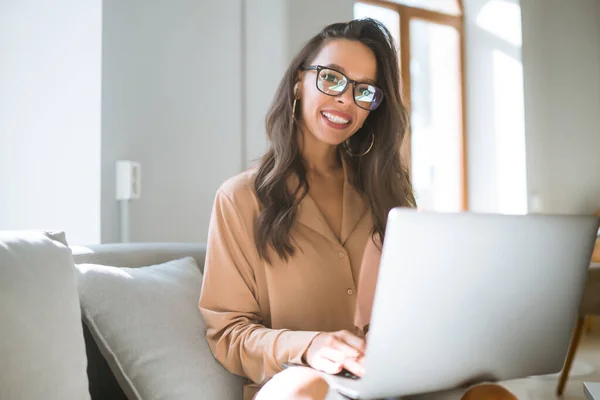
point(389, 18)
point(509, 133)
point(443, 6)
point(436, 116)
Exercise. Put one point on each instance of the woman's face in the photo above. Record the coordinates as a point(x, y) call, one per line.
point(331, 119)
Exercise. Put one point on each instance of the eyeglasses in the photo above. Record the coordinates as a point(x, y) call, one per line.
point(333, 83)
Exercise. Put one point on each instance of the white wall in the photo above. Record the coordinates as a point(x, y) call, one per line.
point(159, 61)
point(172, 95)
point(50, 116)
point(275, 31)
point(561, 60)
point(265, 60)
point(307, 17)
point(494, 99)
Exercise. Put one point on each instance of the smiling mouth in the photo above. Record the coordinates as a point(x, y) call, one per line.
point(334, 118)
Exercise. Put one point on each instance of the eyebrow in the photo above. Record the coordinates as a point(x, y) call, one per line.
point(341, 69)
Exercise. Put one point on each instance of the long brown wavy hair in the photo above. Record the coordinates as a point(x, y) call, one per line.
point(379, 176)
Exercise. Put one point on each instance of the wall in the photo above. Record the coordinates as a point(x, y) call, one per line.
point(177, 88)
point(182, 87)
point(265, 60)
point(172, 89)
point(561, 59)
point(153, 112)
point(50, 117)
point(494, 99)
point(275, 31)
point(307, 17)
point(159, 61)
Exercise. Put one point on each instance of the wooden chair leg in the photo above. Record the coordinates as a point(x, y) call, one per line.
point(564, 375)
point(589, 324)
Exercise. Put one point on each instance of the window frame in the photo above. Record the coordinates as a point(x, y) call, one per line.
point(406, 14)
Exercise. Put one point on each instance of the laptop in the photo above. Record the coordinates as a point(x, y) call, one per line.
point(464, 298)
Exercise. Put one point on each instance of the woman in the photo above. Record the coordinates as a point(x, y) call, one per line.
point(286, 239)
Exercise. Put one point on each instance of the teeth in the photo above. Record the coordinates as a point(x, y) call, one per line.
point(334, 118)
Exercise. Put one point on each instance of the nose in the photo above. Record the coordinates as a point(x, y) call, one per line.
point(347, 96)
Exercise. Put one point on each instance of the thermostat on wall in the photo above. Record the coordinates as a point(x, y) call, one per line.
point(129, 180)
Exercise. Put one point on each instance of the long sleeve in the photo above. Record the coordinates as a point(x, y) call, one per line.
point(229, 300)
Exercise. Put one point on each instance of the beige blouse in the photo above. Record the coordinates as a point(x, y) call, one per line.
point(259, 316)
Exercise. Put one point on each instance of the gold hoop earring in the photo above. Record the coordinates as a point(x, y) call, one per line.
point(349, 151)
point(295, 101)
point(294, 110)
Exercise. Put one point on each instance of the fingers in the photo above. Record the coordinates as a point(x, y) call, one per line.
point(345, 349)
point(354, 365)
point(331, 352)
point(354, 347)
point(329, 360)
point(334, 360)
point(352, 340)
point(344, 355)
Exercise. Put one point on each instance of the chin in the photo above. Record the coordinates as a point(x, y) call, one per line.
point(333, 139)
point(332, 136)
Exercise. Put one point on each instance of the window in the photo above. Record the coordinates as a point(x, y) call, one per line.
point(388, 17)
point(451, 7)
point(429, 33)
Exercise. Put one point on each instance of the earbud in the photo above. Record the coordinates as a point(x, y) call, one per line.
point(296, 90)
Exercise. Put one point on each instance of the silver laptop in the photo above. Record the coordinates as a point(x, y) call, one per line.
point(464, 298)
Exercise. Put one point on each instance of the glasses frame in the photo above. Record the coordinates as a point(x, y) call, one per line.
point(319, 68)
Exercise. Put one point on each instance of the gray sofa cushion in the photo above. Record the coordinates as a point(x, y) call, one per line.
point(42, 352)
point(148, 327)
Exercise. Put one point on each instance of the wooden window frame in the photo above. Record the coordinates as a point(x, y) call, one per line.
point(408, 13)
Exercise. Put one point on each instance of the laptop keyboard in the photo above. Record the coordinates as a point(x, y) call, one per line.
point(347, 374)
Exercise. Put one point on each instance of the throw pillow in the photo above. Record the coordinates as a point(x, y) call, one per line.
point(148, 327)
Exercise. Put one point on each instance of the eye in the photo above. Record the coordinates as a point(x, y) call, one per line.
point(329, 77)
point(364, 93)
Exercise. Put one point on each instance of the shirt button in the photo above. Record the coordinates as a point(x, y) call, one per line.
point(350, 292)
point(341, 254)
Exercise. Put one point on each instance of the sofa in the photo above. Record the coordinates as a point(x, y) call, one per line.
point(111, 321)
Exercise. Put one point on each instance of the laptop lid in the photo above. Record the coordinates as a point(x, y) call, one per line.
point(468, 297)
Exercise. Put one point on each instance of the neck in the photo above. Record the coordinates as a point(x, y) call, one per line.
point(319, 157)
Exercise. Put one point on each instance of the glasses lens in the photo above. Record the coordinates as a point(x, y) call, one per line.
point(331, 82)
point(367, 96)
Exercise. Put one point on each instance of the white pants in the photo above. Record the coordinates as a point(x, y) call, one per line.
point(453, 394)
point(284, 384)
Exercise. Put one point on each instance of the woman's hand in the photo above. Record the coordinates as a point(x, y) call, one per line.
point(332, 351)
